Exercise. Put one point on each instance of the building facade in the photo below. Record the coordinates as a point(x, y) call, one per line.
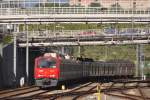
point(125, 4)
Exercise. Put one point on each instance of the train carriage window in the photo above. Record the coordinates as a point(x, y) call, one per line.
point(47, 63)
point(121, 68)
point(126, 70)
point(109, 68)
point(99, 68)
point(104, 70)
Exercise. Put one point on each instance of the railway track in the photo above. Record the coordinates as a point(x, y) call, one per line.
point(11, 90)
point(14, 92)
point(35, 93)
point(137, 87)
point(120, 89)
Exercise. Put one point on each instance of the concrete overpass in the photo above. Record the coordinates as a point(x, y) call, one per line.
point(71, 14)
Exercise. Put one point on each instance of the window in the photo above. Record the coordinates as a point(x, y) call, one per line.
point(47, 63)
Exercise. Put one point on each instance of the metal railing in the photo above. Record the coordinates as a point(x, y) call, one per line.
point(82, 33)
point(58, 33)
point(67, 10)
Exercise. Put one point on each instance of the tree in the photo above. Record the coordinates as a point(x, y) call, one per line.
point(95, 4)
point(116, 6)
point(6, 39)
point(52, 5)
point(65, 5)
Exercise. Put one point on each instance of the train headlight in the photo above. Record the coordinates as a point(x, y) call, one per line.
point(41, 71)
point(52, 75)
point(40, 75)
point(53, 66)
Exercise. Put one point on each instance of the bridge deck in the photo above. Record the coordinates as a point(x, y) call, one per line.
point(74, 14)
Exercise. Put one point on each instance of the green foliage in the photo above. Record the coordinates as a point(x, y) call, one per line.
point(6, 39)
point(107, 52)
point(81, 26)
point(147, 74)
point(65, 5)
point(53, 5)
point(116, 6)
point(64, 25)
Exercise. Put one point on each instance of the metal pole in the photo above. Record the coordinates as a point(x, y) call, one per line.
point(79, 51)
point(27, 52)
point(140, 63)
point(138, 60)
point(63, 50)
point(14, 35)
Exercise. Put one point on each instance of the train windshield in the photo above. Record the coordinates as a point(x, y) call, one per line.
point(47, 63)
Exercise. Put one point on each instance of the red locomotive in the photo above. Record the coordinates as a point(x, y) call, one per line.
point(52, 69)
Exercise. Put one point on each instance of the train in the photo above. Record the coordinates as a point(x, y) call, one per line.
point(52, 69)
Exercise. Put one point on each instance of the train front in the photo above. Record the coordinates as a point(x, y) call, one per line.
point(46, 70)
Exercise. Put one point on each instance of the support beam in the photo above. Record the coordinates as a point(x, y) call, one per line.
point(83, 43)
point(27, 53)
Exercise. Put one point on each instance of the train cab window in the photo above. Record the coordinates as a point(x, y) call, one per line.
point(47, 63)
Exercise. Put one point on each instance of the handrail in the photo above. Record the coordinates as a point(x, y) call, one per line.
point(68, 10)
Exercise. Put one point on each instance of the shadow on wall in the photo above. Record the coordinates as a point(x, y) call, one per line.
point(7, 67)
point(7, 74)
point(1, 77)
point(33, 53)
point(21, 63)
